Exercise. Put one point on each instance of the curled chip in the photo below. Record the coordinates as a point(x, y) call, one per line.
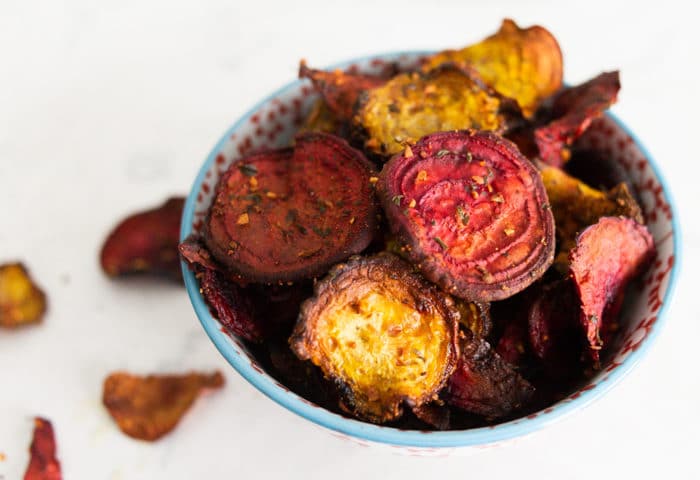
point(149, 407)
point(434, 414)
point(553, 329)
point(575, 206)
point(572, 112)
point(382, 333)
point(340, 90)
point(523, 64)
point(145, 242)
point(43, 464)
point(607, 256)
point(194, 252)
point(484, 384)
point(473, 211)
point(21, 301)
point(415, 104)
point(286, 215)
point(321, 119)
point(475, 316)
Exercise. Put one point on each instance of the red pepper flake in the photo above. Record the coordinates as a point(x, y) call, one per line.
point(373, 180)
point(408, 153)
point(478, 179)
point(498, 198)
point(412, 203)
point(422, 176)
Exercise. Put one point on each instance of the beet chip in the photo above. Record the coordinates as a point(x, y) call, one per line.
point(553, 328)
point(524, 64)
point(607, 256)
point(575, 206)
point(286, 215)
point(484, 384)
point(43, 464)
point(415, 104)
point(340, 90)
point(572, 112)
point(21, 301)
point(149, 407)
point(145, 242)
point(473, 211)
point(382, 333)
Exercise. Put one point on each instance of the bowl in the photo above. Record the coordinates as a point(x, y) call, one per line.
point(272, 123)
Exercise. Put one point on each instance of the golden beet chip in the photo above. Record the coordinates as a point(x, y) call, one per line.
point(21, 301)
point(43, 464)
point(149, 407)
point(382, 333)
point(473, 211)
point(524, 64)
point(575, 206)
point(484, 384)
point(608, 254)
point(339, 89)
point(145, 242)
point(415, 104)
point(572, 112)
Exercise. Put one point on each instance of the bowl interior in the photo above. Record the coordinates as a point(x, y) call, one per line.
point(273, 122)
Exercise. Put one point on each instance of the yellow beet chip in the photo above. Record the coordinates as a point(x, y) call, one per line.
point(412, 105)
point(524, 64)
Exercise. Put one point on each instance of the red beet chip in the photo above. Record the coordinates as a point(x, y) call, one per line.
point(608, 254)
point(572, 112)
point(512, 345)
point(290, 214)
point(230, 304)
point(339, 89)
point(43, 464)
point(484, 383)
point(473, 212)
point(145, 242)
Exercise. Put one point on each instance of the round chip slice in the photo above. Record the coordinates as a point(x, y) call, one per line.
point(382, 333)
point(472, 211)
point(290, 214)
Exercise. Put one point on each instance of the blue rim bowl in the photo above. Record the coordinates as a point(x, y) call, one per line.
point(367, 432)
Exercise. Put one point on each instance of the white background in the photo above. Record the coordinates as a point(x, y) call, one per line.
point(106, 109)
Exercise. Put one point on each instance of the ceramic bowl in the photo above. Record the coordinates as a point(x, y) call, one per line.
point(273, 122)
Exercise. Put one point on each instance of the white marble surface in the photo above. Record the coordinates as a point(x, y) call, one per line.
point(107, 108)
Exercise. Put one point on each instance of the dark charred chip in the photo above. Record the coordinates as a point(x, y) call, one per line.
point(415, 104)
point(484, 383)
point(524, 64)
point(473, 211)
point(145, 242)
point(512, 343)
point(475, 316)
point(339, 89)
point(286, 215)
point(149, 407)
point(607, 256)
point(22, 302)
point(554, 331)
point(303, 377)
point(277, 306)
point(382, 333)
point(575, 206)
point(230, 305)
point(572, 112)
point(434, 414)
point(43, 464)
point(595, 169)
